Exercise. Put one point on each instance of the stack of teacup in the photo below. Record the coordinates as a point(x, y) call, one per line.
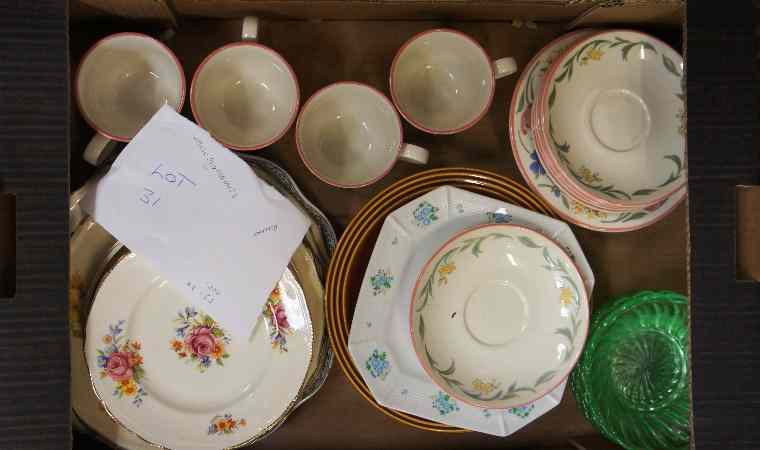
point(607, 122)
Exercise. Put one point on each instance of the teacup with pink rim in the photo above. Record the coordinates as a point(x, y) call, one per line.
point(442, 81)
point(122, 81)
point(349, 135)
point(245, 93)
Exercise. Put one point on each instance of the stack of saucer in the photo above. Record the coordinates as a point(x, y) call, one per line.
point(596, 125)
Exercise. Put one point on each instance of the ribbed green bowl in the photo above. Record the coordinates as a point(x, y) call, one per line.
point(632, 380)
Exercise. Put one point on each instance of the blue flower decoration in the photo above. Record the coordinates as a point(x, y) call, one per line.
point(425, 214)
point(555, 190)
point(444, 404)
point(381, 281)
point(536, 166)
point(377, 364)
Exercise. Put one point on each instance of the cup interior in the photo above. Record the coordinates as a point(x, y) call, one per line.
point(348, 134)
point(442, 81)
point(123, 80)
point(245, 95)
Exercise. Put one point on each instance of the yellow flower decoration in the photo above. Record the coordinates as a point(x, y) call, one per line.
point(444, 271)
point(129, 388)
point(566, 296)
point(595, 54)
point(589, 176)
point(484, 387)
point(580, 209)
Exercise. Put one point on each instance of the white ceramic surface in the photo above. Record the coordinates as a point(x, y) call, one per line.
point(245, 94)
point(380, 342)
point(534, 172)
point(177, 378)
point(610, 121)
point(349, 135)
point(442, 81)
point(499, 316)
point(123, 80)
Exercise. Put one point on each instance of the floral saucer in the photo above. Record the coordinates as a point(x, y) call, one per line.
point(499, 316)
point(379, 341)
point(533, 170)
point(609, 120)
point(151, 355)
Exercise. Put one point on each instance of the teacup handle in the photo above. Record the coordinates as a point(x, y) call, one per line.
point(99, 149)
point(250, 28)
point(503, 67)
point(413, 154)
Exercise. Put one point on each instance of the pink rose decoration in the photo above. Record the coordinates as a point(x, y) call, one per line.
point(279, 314)
point(526, 117)
point(201, 341)
point(118, 366)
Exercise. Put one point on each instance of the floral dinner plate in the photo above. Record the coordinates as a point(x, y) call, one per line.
point(379, 342)
point(151, 355)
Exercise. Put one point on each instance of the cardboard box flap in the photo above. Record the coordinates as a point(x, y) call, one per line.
point(578, 12)
point(147, 10)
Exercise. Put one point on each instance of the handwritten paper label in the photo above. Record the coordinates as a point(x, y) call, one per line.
point(200, 216)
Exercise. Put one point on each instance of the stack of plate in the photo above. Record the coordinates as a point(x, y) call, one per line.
point(459, 287)
point(211, 392)
point(596, 125)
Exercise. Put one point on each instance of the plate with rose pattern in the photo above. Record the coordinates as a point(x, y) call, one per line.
point(380, 343)
point(175, 376)
point(533, 170)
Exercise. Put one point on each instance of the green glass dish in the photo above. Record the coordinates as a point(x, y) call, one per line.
point(632, 380)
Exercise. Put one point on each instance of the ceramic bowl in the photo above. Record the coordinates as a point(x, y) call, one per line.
point(499, 315)
point(609, 121)
point(442, 81)
point(123, 80)
point(246, 95)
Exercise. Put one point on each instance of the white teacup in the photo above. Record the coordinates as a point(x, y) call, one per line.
point(245, 94)
point(121, 82)
point(349, 135)
point(443, 82)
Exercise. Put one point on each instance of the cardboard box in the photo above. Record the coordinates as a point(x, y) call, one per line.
point(325, 41)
